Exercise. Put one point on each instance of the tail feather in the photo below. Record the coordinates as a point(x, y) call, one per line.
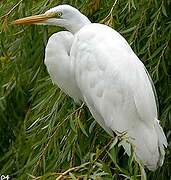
point(150, 145)
point(162, 142)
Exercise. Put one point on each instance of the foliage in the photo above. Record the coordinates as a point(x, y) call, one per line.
point(44, 134)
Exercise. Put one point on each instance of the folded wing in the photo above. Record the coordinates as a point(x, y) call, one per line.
point(116, 87)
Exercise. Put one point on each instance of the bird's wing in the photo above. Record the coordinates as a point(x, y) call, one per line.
point(57, 61)
point(114, 83)
point(109, 72)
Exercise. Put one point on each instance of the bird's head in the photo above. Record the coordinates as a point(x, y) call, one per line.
point(63, 15)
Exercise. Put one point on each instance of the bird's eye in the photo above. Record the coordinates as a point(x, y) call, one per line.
point(59, 14)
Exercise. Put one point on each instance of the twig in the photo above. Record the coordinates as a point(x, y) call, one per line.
point(43, 151)
point(11, 10)
point(111, 11)
point(66, 119)
point(71, 169)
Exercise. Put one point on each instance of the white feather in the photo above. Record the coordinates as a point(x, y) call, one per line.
point(95, 64)
point(57, 61)
point(114, 84)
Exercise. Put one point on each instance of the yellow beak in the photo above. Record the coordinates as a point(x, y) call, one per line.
point(33, 19)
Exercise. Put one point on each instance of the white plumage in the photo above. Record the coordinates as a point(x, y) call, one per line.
point(94, 63)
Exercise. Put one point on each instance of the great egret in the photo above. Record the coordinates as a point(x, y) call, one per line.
point(93, 63)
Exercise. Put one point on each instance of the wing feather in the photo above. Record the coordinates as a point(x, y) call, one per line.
point(115, 85)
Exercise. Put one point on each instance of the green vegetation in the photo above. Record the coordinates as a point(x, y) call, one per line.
point(43, 133)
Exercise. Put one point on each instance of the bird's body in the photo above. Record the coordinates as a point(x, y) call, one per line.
point(95, 64)
point(59, 47)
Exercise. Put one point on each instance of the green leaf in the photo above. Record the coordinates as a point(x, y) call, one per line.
point(72, 176)
point(82, 127)
point(93, 124)
point(114, 142)
point(72, 124)
point(128, 30)
point(164, 10)
point(157, 51)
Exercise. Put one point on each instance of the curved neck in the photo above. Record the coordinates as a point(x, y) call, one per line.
point(74, 28)
point(75, 25)
point(71, 24)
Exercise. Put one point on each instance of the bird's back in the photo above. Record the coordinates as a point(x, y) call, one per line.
point(114, 84)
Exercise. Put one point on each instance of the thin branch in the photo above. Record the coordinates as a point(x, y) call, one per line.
point(8, 13)
point(111, 11)
point(67, 118)
point(71, 169)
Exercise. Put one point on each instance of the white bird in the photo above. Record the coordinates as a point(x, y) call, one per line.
point(93, 63)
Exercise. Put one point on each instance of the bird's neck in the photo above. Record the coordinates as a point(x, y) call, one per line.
point(77, 24)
